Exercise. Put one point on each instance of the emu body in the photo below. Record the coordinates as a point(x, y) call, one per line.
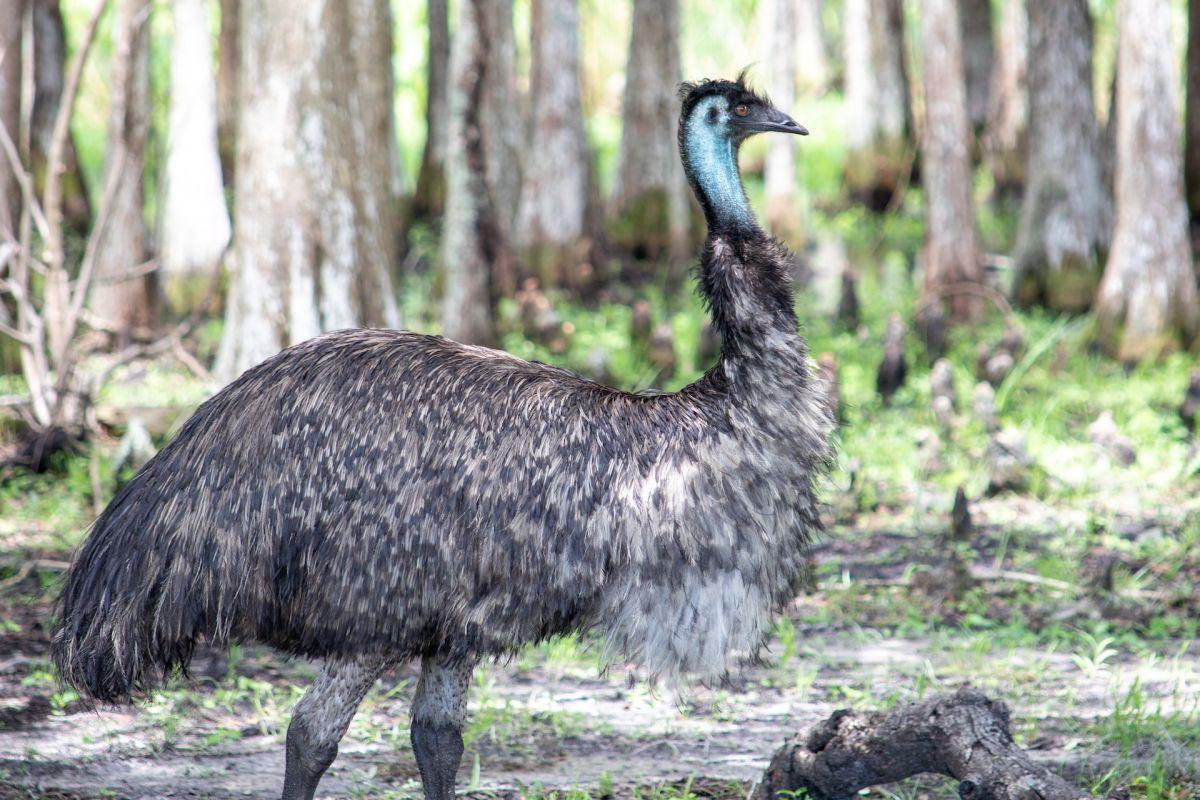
point(371, 496)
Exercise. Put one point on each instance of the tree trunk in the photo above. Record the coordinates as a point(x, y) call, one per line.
point(502, 126)
point(228, 54)
point(975, 18)
point(1066, 221)
point(649, 209)
point(877, 108)
point(194, 223)
point(780, 28)
point(553, 218)
point(472, 240)
point(49, 61)
point(13, 13)
point(373, 35)
point(1147, 300)
point(313, 233)
point(124, 303)
point(430, 194)
point(809, 52)
point(964, 736)
point(1006, 138)
point(1192, 142)
point(952, 258)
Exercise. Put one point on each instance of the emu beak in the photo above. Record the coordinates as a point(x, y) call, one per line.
point(767, 120)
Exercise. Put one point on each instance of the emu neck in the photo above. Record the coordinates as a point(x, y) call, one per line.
point(712, 167)
point(744, 275)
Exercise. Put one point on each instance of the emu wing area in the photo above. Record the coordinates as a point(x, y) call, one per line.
point(377, 490)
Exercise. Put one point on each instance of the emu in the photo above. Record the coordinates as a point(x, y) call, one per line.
point(372, 496)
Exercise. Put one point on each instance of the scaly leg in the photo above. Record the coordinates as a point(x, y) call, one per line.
point(438, 713)
point(320, 720)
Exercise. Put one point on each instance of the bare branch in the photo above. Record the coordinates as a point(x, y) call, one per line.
point(28, 195)
point(58, 142)
point(88, 265)
point(189, 360)
point(140, 270)
point(13, 333)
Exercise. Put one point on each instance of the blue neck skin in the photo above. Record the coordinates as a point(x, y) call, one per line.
point(710, 157)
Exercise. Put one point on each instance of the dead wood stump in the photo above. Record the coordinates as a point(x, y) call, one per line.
point(962, 735)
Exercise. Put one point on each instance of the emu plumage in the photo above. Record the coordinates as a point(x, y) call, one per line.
point(371, 496)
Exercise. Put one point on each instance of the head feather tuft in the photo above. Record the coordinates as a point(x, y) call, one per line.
point(738, 90)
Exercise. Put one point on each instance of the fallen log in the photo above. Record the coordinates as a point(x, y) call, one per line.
point(962, 735)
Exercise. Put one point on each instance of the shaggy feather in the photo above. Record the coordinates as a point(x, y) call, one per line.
point(379, 492)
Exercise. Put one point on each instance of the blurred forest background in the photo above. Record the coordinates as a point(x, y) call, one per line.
point(995, 223)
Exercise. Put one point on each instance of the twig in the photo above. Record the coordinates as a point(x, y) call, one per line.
point(28, 566)
point(15, 580)
point(966, 287)
point(189, 360)
point(985, 574)
point(13, 333)
point(97, 483)
point(139, 271)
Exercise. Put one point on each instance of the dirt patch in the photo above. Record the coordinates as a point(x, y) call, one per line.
point(549, 725)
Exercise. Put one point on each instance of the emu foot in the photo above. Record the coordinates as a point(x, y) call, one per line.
point(439, 750)
point(963, 735)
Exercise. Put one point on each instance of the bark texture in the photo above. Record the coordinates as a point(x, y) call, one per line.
point(430, 193)
point(952, 259)
point(1147, 300)
point(471, 236)
point(195, 226)
point(877, 109)
point(501, 125)
point(650, 211)
point(963, 735)
point(228, 55)
point(373, 40)
point(780, 21)
point(1066, 221)
point(554, 197)
point(810, 53)
point(12, 13)
point(1006, 137)
point(313, 234)
point(123, 303)
point(1192, 141)
point(975, 21)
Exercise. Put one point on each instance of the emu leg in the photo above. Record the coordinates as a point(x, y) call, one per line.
point(320, 720)
point(438, 713)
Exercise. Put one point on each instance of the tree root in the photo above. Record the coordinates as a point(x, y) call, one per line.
point(963, 735)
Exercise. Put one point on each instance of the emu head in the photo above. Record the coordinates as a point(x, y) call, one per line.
point(717, 116)
point(731, 111)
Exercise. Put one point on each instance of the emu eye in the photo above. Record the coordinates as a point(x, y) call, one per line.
point(741, 110)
